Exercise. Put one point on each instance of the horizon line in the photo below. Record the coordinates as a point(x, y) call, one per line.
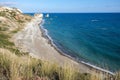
point(71, 12)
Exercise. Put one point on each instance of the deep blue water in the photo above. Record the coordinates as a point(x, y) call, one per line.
point(91, 37)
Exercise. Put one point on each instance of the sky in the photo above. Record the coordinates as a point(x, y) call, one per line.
point(64, 6)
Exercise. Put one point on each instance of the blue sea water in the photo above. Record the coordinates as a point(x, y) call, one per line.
point(90, 37)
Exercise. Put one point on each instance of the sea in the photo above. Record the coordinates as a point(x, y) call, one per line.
point(92, 38)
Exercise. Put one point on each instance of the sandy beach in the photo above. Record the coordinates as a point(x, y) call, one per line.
point(31, 40)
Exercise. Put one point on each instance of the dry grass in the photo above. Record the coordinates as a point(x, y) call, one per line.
point(13, 67)
point(117, 76)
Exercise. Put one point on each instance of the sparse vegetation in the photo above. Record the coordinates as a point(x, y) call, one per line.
point(15, 31)
point(5, 43)
point(3, 28)
point(3, 13)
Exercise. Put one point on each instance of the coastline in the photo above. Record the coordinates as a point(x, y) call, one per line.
point(33, 40)
point(51, 42)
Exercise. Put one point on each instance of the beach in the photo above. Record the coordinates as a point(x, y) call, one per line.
point(31, 39)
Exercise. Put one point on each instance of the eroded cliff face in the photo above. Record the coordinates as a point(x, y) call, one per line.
point(12, 19)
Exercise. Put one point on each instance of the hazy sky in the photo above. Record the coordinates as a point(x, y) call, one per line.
point(64, 5)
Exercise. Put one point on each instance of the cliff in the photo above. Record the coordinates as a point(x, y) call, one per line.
point(12, 19)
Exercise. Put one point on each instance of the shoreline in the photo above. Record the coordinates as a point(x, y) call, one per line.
point(51, 42)
point(32, 39)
